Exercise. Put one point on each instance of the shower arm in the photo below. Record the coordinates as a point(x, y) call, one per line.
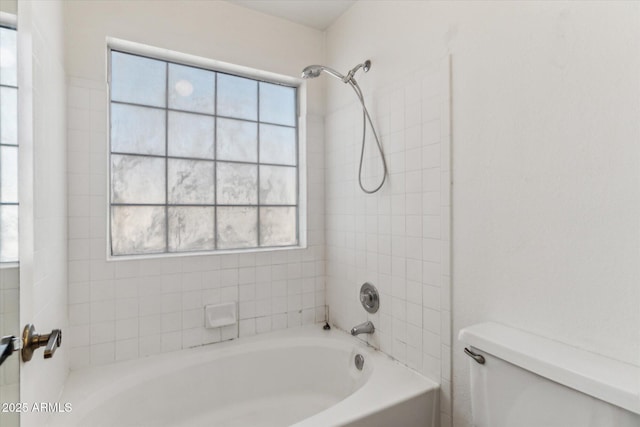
point(349, 77)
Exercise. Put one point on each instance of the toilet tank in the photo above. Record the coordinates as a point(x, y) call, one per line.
point(530, 381)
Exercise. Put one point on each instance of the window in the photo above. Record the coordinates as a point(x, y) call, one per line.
point(201, 160)
point(8, 146)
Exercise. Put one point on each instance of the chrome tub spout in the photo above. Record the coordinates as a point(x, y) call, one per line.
point(363, 328)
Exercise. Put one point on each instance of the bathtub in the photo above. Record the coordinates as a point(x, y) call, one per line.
point(302, 377)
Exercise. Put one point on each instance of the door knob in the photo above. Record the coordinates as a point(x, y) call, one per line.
point(31, 341)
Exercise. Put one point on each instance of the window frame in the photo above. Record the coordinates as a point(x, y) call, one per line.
point(183, 59)
point(9, 21)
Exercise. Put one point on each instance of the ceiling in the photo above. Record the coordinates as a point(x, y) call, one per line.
point(319, 14)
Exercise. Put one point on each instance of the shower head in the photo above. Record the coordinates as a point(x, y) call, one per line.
point(313, 71)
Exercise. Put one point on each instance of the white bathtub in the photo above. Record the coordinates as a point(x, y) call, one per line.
point(302, 377)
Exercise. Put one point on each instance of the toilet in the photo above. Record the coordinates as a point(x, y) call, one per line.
point(519, 379)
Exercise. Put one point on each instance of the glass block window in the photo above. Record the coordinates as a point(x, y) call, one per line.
point(201, 160)
point(8, 146)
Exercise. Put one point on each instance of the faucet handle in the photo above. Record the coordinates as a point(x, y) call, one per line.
point(54, 341)
point(369, 297)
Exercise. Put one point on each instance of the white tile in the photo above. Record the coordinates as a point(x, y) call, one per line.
point(170, 341)
point(150, 326)
point(430, 108)
point(126, 288)
point(294, 318)
point(413, 182)
point(126, 329)
point(148, 345)
point(278, 321)
point(414, 270)
point(414, 204)
point(79, 336)
point(247, 327)
point(247, 292)
point(126, 308)
point(191, 281)
point(431, 250)
point(247, 309)
point(102, 332)
point(413, 159)
point(246, 275)
point(102, 353)
point(431, 297)
point(98, 100)
point(294, 302)
point(210, 296)
point(78, 97)
point(229, 277)
point(431, 203)
point(431, 156)
point(431, 320)
point(414, 314)
point(102, 290)
point(210, 336)
point(127, 269)
point(431, 226)
point(191, 337)
point(431, 367)
point(102, 311)
point(399, 350)
point(431, 343)
point(126, 349)
point(150, 305)
point(79, 293)
point(192, 319)
point(78, 118)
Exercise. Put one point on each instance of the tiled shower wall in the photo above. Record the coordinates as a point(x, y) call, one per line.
point(399, 238)
point(127, 309)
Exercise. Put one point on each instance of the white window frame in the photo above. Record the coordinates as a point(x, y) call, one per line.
point(10, 21)
point(134, 48)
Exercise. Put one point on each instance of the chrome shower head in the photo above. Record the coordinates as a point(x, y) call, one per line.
point(313, 71)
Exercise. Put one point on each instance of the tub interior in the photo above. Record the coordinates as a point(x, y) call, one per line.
point(275, 387)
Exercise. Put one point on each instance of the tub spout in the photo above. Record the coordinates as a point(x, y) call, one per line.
point(363, 328)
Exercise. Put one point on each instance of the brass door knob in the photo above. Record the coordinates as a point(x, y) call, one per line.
point(31, 341)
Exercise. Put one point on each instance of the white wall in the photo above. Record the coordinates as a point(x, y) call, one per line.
point(546, 173)
point(545, 132)
point(43, 195)
point(128, 309)
point(9, 6)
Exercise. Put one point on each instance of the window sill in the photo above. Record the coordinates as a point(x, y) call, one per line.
point(203, 253)
point(8, 265)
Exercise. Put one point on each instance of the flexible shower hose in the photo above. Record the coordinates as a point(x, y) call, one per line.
point(366, 117)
